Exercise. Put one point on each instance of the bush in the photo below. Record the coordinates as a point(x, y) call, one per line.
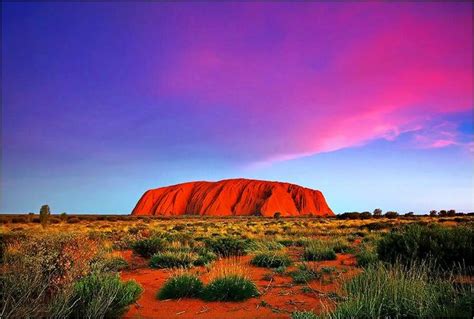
point(170, 259)
point(149, 246)
point(305, 274)
point(44, 215)
point(100, 295)
point(271, 259)
point(366, 256)
point(448, 246)
point(205, 257)
point(181, 286)
point(398, 291)
point(317, 251)
point(303, 315)
point(228, 246)
point(230, 288)
point(115, 263)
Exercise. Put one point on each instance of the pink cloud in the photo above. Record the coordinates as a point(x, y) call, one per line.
point(320, 86)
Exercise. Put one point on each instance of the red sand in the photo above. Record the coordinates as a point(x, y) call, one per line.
point(279, 296)
point(233, 197)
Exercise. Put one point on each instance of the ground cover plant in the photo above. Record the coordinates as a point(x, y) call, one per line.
point(294, 267)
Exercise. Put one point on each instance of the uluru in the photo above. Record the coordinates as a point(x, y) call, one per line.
point(233, 197)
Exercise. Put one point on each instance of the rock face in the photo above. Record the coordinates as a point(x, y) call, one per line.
point(233, 197)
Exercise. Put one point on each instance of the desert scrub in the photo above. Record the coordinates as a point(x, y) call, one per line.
point(271, 259)
point(114, 263)
point(229, 282)
point(401, 291)
point(103, 295)
point(205, 257)
point(316, 250)
point(366, 255)
point(171, 259)
point(305, 273)
point(149, 246)
point(230, 288)
point(181, 285)
point(228, 246)
point(448, 246)
point(303, 315)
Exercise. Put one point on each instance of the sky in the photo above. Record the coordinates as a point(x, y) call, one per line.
point(370, 102)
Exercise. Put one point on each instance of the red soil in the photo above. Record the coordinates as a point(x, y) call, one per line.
point(279, 296)
point(233, 197)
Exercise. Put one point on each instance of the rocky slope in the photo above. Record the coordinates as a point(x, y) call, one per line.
point(233, 197)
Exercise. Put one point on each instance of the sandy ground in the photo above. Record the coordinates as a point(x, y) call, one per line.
point(279, 295)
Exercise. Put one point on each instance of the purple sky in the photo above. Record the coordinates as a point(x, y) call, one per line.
point(370, 102)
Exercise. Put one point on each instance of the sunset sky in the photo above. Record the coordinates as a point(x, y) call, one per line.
point(370, 102)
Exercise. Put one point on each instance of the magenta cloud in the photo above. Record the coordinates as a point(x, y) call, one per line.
point(328, 77)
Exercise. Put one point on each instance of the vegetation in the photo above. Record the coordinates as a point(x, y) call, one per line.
point(181, 285)
point(230, 288)
point(271, 259)
point(173, 259)
point(44, 214)
point(148, 247)
point(317, 250)
point(448, 246)
point(398, 291)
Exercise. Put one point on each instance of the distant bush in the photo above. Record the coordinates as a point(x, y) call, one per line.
point(73, 220)
point(271, 259)
point(228, 246)
point(183, 285)
point(391, 214)
point(317, 250)
point(44, 215)
point(230, 288)
point(448, 246)
point(99, 296)
point(149, 246)
point(171, 259)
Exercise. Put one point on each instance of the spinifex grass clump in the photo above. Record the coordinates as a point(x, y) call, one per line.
point(228, 246)
point(103, 295)
point(271, 259)
point(149, 246)
point(303, 315)
point(229, 283)
point(305, 273)
point(397, 291)
point(317, 250)
point(366, 255)
point(447, 246)
point(181, 285)
point(172, 259)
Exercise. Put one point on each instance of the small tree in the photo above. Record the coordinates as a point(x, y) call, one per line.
point(391, 214)
point(63, 217)
point(451, 212)
point(410, 214)
point(433, 213)
point(277, 215)
point(377, 212)
point(443, 213)
point(45, 213)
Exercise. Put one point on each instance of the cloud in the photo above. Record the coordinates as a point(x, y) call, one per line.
point(292, 83)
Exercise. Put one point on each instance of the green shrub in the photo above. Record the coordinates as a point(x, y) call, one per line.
point(115, 263)
point(317, 251)
point(366, 256)
point(149, 246)
point(271, 259)
point(228, 246)
point(181, 286)
point(170, 259)
point(99, 296)
point(305, 273)
point(230, 288)
point(303, 315)
point(448, 246)
point(205, 257)
point(398, 291)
